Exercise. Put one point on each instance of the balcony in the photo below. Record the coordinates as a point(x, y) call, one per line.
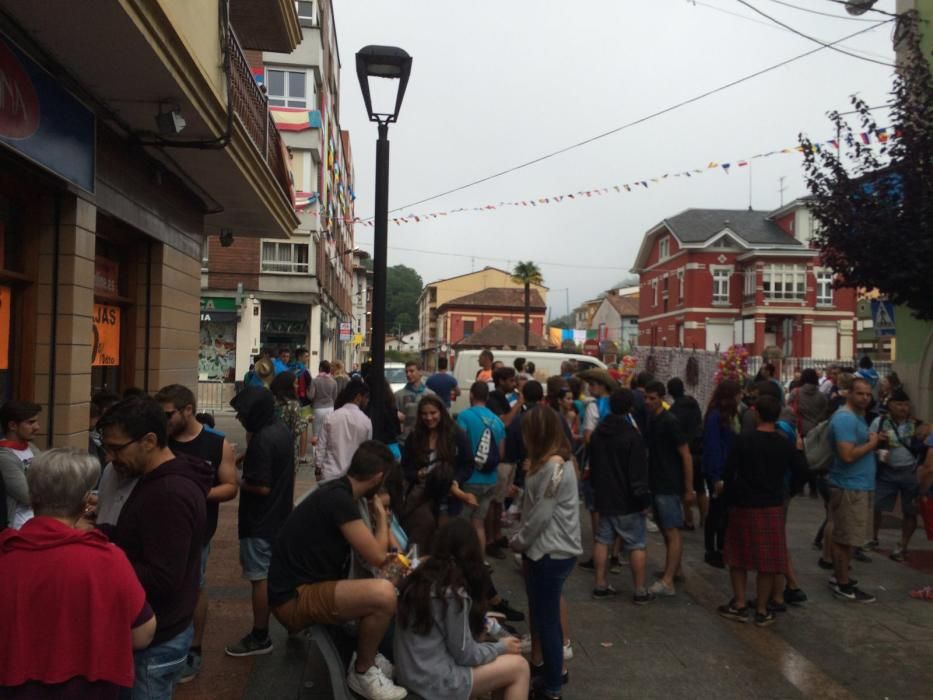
point(266, 25)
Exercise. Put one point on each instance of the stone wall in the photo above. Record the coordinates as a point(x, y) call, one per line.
point(672, 362)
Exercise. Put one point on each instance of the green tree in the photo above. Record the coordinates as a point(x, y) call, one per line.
point(875, 212)
point(403, 287)
point(527, 273)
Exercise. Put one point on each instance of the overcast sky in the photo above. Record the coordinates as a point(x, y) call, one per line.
point(496, 83)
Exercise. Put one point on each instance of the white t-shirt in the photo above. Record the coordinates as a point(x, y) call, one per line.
point(21, 513)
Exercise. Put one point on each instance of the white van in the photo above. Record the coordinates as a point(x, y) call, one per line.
point(547, 364)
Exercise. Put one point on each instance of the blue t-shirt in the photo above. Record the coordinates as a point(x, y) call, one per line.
point(474, 421)
point(442, 384)
point(845, 426)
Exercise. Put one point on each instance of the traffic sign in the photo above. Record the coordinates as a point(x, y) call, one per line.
point(882, 315)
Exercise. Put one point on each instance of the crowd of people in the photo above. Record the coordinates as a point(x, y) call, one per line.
point(396, 536)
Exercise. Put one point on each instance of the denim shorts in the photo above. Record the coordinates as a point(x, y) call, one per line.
point(205, 555)
point(889, 485)
point(255, 555)
point(669, 511)
point(631, 528)
point(159, 667)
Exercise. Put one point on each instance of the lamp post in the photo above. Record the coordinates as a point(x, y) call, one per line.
point(386, 62)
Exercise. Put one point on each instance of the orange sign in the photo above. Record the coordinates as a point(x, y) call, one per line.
point(106, 335)
point(6, 300)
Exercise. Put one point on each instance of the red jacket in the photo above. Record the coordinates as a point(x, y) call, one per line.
point(68, 600)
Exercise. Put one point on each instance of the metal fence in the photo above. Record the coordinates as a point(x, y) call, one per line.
point(214, 396)
point(790, 365)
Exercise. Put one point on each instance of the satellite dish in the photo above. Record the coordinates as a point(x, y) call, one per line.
point(859, 7)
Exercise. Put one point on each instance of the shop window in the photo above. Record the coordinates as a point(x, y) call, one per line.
point(113, 345)
point(12, 284)
point(285, 258)
point(287, 88)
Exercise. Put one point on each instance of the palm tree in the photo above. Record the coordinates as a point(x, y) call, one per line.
point(527, 274)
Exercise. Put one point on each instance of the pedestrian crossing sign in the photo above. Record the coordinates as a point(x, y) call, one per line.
point(882, 315)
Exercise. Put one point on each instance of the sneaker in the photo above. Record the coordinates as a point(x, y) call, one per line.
point(250, 646)
point(511, 614)
point(765, 619)
point(850, 592)
point(834, 582)
point(588, 564)
point(606, 592)
point(823, 564)
point(871, 545)
point(659, 588)
point(859, 555)
point(794, 596)
point(899, 554)
point(374, 685)
point(651, 526)
point(615, 565)
point(381, 662)
point(643, 598)
point(715, 560)
point(191, 669)
point(730, 612)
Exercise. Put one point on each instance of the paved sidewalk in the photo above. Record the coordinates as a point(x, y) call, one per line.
point(673, 648)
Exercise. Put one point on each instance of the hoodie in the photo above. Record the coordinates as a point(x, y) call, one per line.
point(269, 462)
point(161, 529)
point(439, 665)
point(70, 599)
point(812, 407)
point(618, 468)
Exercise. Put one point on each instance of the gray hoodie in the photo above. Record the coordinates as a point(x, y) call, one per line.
point(439, 665)
point(550, 513)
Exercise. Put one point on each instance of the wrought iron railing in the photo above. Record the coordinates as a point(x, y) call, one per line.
point(251, 107)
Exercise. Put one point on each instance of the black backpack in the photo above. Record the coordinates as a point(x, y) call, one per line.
point(486, 455)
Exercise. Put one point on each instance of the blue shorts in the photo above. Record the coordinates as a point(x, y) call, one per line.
point(669, 511)
point(889, 485)
point(255, 555)
point(631, 528)
point(205, 555)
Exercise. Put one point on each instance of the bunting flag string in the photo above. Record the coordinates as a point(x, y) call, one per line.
point(879, 136)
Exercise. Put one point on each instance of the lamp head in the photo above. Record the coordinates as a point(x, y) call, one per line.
point(859, 7)
point(387, 62)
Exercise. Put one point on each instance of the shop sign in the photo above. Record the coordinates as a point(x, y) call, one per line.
point(346, 331)
point(218, 310)
point(6, 300)
point(106, 275)
point(106, 335)
point(42, 121)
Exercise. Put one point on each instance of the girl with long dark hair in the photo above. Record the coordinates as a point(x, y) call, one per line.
point(437, 458)
point(287, 407)
point(720, 427)
point(441, 615)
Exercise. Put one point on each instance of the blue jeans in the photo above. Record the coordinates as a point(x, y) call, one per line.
point(158, 668)
point(544, 581)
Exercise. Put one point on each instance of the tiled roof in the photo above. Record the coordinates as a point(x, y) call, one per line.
point(502, 334)
point(754, 227)
point(499, 297)
point(624, 305)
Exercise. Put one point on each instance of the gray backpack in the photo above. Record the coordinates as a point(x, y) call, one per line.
point(818, 447)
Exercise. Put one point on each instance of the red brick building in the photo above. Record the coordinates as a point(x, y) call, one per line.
point(710, 278)
point(461, 317)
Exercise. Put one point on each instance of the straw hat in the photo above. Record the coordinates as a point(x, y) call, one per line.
point(264, 370)
point(599, 376)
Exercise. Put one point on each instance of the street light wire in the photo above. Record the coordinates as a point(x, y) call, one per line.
point(812, 38)
point(824, 14)
point(640, 120)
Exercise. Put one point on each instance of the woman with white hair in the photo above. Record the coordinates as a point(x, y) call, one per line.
point(68, 597)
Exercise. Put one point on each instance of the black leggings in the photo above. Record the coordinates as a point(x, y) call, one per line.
point(714, 532)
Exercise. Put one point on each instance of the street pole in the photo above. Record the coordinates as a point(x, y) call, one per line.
point(380, 251)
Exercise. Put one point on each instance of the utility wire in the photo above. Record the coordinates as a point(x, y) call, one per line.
point(812, 38)
point(640, 120)
point(824, 14)
point(770, 25)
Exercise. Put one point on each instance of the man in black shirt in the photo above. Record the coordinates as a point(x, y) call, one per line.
point(267, 492)
point(498, 401)
point(306, 578)
point(670, 472)
point(690, 415)
point(186, 435)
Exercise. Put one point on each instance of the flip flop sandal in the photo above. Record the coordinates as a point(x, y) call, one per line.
point(923, 593)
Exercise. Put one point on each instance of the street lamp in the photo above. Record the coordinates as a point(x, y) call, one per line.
point(388, 63)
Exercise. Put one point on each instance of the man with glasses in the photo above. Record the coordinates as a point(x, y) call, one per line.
point(188, 436)
point(160, 528)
